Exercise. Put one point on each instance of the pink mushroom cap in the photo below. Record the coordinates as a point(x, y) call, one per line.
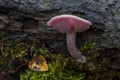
point(69, 23)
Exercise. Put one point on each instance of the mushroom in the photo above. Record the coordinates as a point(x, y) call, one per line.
point(70, 24)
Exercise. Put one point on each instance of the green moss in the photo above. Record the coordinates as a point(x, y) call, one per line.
point(57, 71)
point(95, 68)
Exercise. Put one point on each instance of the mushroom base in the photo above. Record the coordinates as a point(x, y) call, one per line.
point(70, 38)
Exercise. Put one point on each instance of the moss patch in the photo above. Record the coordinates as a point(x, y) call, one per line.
point(14, 58)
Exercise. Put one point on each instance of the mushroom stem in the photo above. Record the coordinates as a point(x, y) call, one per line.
point(70, 38)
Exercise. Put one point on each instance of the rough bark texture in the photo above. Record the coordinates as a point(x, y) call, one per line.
point(25, 15)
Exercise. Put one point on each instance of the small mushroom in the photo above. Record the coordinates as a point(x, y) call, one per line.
point(70, 24)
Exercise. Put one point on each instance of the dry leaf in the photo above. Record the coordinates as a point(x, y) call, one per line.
point(38, 63)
